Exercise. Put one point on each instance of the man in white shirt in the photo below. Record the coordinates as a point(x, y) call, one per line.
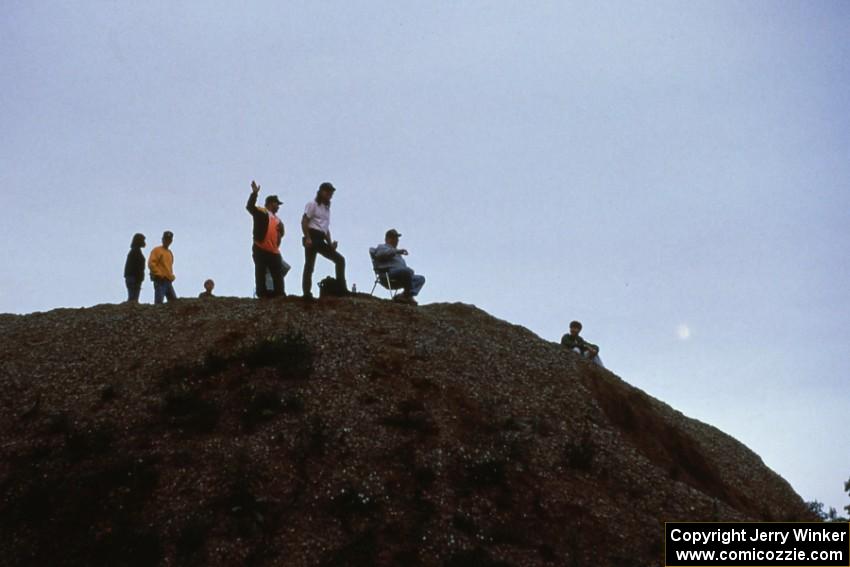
point(315, 224)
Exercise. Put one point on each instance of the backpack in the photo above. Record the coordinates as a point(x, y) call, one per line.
point(331, 287)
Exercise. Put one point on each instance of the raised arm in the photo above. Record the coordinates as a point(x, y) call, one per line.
point(251, 207)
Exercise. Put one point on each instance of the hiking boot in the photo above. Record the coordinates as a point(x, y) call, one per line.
point(405, 298)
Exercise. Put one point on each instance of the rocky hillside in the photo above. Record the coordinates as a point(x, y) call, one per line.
point(345, 432)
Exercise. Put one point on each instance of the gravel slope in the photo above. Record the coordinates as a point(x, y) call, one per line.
point(345, 432)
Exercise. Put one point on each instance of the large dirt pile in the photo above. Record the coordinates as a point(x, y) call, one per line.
point(346, 432)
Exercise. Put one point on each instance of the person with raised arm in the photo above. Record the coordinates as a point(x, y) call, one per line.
point(268, 233)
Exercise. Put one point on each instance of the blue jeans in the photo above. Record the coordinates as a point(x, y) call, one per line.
point(411, 283)
point(134, 287)
point(162, 289)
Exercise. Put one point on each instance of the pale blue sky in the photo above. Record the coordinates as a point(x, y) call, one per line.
point(674, 174)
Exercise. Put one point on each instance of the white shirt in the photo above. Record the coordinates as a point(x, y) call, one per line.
point(318, 215)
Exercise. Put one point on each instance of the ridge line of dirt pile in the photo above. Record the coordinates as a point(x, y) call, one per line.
point(345, 432)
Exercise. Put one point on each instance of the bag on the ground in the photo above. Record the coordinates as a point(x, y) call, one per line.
point(331, 287)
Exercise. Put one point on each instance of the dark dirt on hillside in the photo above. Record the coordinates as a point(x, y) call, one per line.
point(345, 432)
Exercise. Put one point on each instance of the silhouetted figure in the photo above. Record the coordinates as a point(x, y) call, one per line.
point(315, 224)
point(161, 265)
point(268, 233)
point(574, 342)
point(388, 256)
point(209, 285)
point(134, 268)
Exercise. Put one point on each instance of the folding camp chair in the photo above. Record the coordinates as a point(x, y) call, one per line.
point(382, 277)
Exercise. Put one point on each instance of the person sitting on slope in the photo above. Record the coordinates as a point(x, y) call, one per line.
point(574, 342)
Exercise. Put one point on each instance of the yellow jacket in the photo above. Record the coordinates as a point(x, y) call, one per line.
point(161, 263)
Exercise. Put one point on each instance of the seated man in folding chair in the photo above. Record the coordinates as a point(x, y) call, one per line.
point(388, 256)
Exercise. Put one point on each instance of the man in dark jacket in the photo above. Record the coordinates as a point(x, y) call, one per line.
point(268, 233)
point(577, 344)
point(134, 268)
